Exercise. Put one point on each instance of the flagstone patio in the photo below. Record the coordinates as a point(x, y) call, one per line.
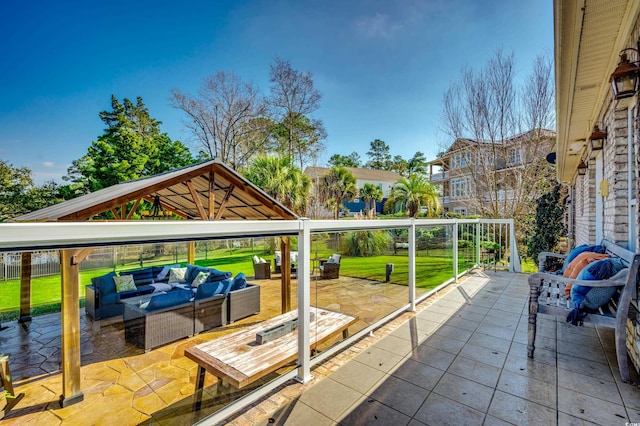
point(122, 384)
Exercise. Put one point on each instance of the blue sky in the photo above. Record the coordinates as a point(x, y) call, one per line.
point(381, 66)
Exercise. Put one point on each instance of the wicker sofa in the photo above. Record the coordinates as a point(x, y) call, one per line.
point(150, 327)
point(180, 313)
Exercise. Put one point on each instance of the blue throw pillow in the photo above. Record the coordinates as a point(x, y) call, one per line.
point(580, 249)
point(216, 275)
point(240, 281)
point(173, 298)
point(225, 286)
point(105, 283)
point(598, 297)
point(599, 270)
point(208, 290)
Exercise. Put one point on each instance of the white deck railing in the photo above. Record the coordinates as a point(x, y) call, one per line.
point(490, 242)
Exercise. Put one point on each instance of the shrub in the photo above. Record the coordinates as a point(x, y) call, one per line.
point(366, 243)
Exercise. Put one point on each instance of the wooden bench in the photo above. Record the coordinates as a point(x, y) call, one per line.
point(547, 296)
point(239, 360)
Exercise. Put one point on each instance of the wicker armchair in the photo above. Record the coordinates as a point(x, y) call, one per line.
point(331, 268)
point(262, 271)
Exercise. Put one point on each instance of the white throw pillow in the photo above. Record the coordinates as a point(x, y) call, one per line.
point(200, 279)
point(177, 275)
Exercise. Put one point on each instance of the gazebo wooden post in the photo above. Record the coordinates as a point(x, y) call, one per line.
point(285, 267)
point(71, 392)
point(191, 252)
point(25, 287)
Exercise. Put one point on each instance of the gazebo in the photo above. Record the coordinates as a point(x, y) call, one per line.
point(205, 191)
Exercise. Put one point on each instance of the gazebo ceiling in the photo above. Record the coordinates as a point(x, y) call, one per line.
point(205, 191)
point(589, 34)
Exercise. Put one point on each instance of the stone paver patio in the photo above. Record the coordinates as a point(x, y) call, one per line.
point(124, 385)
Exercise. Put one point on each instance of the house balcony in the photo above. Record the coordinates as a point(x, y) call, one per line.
point(460, 356)
point(439, 177)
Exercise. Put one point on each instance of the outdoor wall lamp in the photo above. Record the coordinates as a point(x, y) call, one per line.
point(597, 138)
point(582, 168)
point(624, 79)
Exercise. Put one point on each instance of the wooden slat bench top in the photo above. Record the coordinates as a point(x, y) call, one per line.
point(238, 359)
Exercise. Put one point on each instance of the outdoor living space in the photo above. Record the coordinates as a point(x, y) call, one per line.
point(122, 383)
point(461, 357)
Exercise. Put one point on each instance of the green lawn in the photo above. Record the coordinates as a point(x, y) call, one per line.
point(432, 269)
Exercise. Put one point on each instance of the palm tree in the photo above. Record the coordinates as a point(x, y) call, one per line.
point(370, 193)
point(338, 184)
point(414, 192)
point(282, 180)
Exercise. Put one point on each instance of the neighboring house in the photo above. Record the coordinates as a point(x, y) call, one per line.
point(383, 179)
point(599, 169)
point(468, 170)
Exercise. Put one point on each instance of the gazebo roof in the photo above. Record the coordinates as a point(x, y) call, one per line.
point(205, 191)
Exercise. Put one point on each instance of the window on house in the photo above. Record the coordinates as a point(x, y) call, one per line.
point(515, 156)
point(459, 187)
point(461, 159)
point(460, 210)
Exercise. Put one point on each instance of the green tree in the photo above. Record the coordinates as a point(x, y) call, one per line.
point(282, 180)
point(14, 184)
point(370, 193)
point(379, 156)
point(19, 195)
point(308, 136)
point(131, 147)
point(417, 164)
point(414, 192)
point(399, 165)
point(351, 160)
point(549, 227)
point(339, 185)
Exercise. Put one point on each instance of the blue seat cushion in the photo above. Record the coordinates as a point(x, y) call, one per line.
point(239, 282)
point(209, 289)
point(110, 298)
point(105, 284)
point(167, 300)
point(142, 290)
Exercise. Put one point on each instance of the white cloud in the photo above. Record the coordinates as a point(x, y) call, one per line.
point(378, 26)
point(49, 164)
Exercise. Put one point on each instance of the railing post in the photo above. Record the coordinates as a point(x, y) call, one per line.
point(412, 265)
point(455, 250)
point(478, 231)
point(514, 256)
point(304, 301)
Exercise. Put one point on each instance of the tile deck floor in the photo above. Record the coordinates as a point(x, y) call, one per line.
point(460, 359)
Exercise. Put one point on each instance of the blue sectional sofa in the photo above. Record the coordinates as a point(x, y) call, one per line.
point(181, 312)
point(157, 312)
